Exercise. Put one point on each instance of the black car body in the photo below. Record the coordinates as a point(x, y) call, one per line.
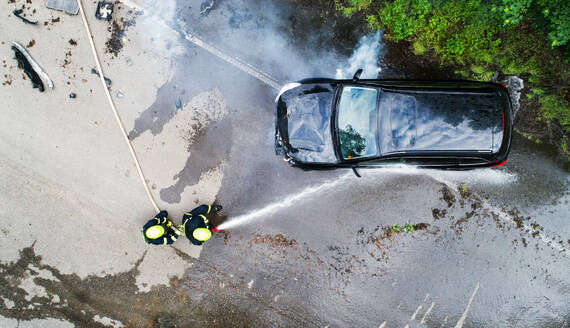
point(324, 123)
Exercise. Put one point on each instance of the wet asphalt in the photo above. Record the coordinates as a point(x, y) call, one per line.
point(333, 258)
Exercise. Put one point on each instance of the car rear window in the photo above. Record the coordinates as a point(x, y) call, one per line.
point(357, 122)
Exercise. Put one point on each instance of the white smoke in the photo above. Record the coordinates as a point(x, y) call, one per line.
point(365, 56)
point(155, 19)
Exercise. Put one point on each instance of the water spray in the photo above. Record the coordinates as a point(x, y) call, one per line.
point(449, 178)
point(288, 201)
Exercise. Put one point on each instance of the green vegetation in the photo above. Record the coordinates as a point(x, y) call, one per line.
point(528, 38)
point(396, 228)
point(408, 228)
point(535, 226)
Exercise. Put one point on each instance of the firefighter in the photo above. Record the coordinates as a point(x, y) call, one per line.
point(195, 224)
point(159, 230)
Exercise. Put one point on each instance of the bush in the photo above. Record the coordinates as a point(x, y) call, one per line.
point(519, 37)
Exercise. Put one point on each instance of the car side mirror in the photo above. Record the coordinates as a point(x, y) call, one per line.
point(356, 76)
point(355, 170)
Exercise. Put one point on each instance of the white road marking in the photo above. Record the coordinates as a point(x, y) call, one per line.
point(505, 217)
point(427, 312)
point(249, 284)
point(528, 229)
point(383, 325)
point(416, 313)
point(249, 69)
point(263, 77)
point(462, 319)
point(427, 296)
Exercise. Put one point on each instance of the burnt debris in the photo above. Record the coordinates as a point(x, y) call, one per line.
point(31, 67)
point(104, 10)
point(107, 80)
point(24, 64)
point(18, 13)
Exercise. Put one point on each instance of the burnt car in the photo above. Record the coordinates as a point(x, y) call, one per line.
point(327, 123)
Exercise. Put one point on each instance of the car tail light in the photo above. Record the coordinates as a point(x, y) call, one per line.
point(500, 164)
point(503, 122)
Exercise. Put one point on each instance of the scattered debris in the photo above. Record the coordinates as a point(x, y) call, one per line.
point(72, 42)
point(108, 80)
point(31, 44)
point(119, 94)
point(67, 59)
point(115, 43)
point(275, 241)
point(69, 6)
point(31, 67)
point(18, 13)
point(178, 104)
point(128, 61)
point(24, 64)
point(72, 95)
point(206, 7)
point(104, 10)
point(448, 196)
point(438, 214)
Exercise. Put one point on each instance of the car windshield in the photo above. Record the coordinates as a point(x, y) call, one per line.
point(357, 122)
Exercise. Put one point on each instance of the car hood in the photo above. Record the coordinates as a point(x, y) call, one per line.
point(304, 122)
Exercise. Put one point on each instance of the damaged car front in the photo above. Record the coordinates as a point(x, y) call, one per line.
point(303, 130)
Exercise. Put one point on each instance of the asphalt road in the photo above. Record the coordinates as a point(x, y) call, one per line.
point(491, 254)
point(328, 258)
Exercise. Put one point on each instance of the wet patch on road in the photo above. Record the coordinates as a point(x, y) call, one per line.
point(209, 148)
point(98, 301)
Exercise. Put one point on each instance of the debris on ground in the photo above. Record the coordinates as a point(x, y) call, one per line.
point(72, 95)
point(107, 80)
point(24, 64)
point(119, 94)
point(72, 42)
point(178, 104)
point(31, 67)
point(448, 197)
point(128, 61)
point(69, 6)
point(115, 43)
point(104, 10)
point(31, 44)
point(206, 7)
point(67, 59)
point(274, 241)
point(18, 13)
point(438, 214)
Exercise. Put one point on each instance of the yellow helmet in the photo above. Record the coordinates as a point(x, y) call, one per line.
point(154, 232)
point(201, 234)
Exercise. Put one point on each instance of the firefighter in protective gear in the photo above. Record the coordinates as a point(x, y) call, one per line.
point(195, 224)
point(159, 230)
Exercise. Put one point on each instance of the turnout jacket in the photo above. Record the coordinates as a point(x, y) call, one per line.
point(196, 219)
point(170, 234)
